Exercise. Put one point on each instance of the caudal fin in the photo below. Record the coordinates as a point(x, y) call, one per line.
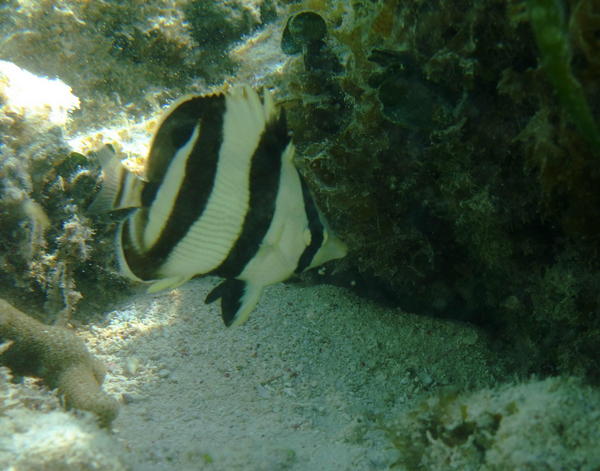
point(120, 188)
point(238, 299)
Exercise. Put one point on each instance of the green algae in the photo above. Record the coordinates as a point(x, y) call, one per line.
point(550, 27)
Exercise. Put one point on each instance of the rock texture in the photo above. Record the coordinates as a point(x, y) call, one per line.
point(60, 358)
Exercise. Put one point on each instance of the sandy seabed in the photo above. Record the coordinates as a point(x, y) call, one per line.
point(307, 384)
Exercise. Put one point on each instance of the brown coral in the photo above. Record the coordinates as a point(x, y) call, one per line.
point(60, 358)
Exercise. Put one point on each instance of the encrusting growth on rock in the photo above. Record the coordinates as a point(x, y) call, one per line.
point(60, 358)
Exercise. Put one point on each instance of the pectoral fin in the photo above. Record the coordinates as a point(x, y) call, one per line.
point(238, 299)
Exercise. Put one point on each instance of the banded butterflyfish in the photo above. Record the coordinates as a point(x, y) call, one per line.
point(221, 196)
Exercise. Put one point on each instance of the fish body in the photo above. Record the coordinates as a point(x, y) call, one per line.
point(221, 196)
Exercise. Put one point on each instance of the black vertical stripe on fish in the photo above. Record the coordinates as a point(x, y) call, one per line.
point(314, 226)
point(177, 128)
point(265, 172)
point(149, 193)
point(198, 180)
point(182, 134)
point(131, 256)
point(131, 230)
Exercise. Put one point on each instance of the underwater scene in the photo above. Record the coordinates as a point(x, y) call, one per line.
point(303, 235)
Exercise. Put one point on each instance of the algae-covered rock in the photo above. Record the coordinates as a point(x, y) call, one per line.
point(552, 424)
point(463, 185)
point(49, 247)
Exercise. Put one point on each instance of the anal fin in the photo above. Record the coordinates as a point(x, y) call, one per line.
point(238, 299)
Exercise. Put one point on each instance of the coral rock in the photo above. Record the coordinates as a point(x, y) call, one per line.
point(60, 358)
